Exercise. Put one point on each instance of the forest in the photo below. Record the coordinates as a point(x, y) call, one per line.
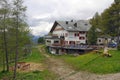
point(108, 22)
point(15, 42)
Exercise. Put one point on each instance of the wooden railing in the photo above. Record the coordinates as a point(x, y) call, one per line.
point(77, 46)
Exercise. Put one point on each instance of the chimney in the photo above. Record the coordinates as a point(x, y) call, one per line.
point(66, 22)
point(75, 24)
point(71, 20)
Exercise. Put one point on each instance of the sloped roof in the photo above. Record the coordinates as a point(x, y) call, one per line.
point(80, 25)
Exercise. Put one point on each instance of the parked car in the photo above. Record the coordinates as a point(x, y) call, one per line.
point(112, 45)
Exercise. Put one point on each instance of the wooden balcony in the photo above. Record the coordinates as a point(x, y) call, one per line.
point(51, 37)
point(56, 44)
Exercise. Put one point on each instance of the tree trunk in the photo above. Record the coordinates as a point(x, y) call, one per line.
point(2, 47)
point(16, 52)
point(118, 39)
point(3, 57)
point(5, 45)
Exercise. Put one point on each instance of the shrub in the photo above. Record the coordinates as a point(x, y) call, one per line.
point(118, 47)
point(36, 71)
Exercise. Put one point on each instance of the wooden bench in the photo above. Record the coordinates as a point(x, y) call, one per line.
point(20, 64)
point(25, 67)
point(11, 68)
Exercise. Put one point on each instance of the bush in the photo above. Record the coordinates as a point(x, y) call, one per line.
point(36, 71)
point(118, 47)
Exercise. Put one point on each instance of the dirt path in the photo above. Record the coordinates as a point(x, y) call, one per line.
point(65, 72)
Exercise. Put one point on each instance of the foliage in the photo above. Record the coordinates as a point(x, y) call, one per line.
point(108, 21)
point(3, 30)
point(118, 47)
point(92, 36)
point(14, 31)
point(111, 19)
point(41, 40)
point(95, 21)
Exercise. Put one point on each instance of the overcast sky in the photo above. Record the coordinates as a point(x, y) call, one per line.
point(42, 13)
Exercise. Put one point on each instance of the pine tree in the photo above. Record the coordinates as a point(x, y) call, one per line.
point(95, 21)
point(19, 27)
point(14, 31)
point(111, 19)
point(92, 36)
point(4, 12)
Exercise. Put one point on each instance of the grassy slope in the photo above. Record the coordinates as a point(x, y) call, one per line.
point(95, 62)
point(35, 57)
point(35, 75)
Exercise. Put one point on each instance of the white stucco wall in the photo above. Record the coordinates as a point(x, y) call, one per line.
point(59, 32)
point(71, 37)
point(100, 41)
point(51, 41)
point(103, 41)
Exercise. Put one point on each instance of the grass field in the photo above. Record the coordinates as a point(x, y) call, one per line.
point(94, 62)
point(35, 75)
point(35, 57)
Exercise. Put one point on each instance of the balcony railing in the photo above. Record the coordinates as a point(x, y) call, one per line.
point(76, 46)
point(51, 37)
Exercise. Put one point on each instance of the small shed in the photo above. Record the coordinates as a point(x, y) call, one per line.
point(103, 39)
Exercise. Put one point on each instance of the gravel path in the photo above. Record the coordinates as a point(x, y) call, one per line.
point(65, 72)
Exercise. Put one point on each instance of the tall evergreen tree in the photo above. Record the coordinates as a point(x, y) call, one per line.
point(41, 40)
point(14, 31)
point(95, 21)
point(18, 15)
point(92, 36)
point(4, 12)
point(111, 19)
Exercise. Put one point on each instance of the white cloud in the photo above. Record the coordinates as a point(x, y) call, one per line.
point(41, 29)
point(42, 13)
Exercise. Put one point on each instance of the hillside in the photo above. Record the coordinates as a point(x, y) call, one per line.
point(95, 63)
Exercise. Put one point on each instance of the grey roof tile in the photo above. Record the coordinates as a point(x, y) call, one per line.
point(82, 25)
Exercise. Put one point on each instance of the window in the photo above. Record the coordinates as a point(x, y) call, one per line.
point(72, 42)
point(81, 38)
point(56, 41)
point(82, 32)
point(48, 41)
point(75, 34)
point(86, 24)
point(99, 40)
